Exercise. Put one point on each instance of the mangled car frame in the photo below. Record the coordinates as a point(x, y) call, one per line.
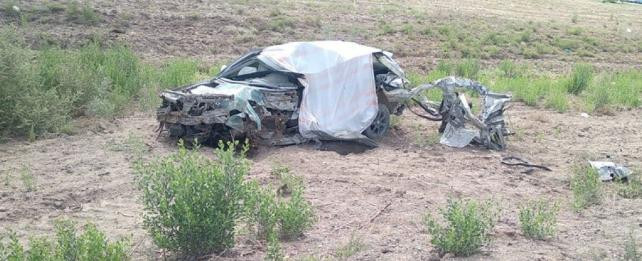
point(324, 90)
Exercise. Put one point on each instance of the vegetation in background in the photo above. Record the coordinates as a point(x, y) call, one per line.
point(42, 90)
point(621, 89)
point(82, 13)
point(580, 78)
point(91, 244)
point(586, 187)
point(466, 228)
point(538, 219)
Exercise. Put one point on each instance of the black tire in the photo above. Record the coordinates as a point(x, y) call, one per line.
point(380, 125)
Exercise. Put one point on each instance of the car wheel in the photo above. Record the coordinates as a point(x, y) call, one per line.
point(380, 125)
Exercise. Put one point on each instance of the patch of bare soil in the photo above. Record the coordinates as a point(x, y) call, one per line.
point(379, 195)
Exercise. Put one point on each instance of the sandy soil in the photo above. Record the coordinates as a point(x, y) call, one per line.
point(87, 177)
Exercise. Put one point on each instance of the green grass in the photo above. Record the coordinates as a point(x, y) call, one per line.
point(28, 181)
point(91, 244)
point(538, 219)
point(42, 90)
point(586, 186)
point(580, 78)
point(468, 68)
point(616, 89)
point(354, 246)
point(556, 97)
point(631, 188)
point(631, 249)
point(466, 229)
point(82, 13)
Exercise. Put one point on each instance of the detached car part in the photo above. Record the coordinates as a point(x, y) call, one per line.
point(488, 129)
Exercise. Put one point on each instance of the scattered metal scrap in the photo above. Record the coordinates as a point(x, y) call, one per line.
point(610, 171)
point(515, 161)
point(455, 112)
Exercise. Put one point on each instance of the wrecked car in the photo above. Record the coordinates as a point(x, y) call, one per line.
point(324, 90)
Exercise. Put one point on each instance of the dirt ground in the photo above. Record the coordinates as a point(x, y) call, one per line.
point(377, 195)
point(87, 177)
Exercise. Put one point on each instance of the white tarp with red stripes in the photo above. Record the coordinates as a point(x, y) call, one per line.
point(340, 98)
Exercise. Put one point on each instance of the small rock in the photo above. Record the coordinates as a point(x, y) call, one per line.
point(584, 114)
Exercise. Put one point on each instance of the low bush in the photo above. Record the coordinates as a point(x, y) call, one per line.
point(466, 229)
point(586, 187)
point(295, 215)
point(91, 245)
point(283, 212)
point(538, 219)
point(41, 90)
point(192, 203)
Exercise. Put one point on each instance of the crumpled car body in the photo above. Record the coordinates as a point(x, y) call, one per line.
point(301, 91)
point(257, 98)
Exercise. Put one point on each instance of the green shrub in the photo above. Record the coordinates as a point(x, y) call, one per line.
point(192, 203)
point(467, 226)
point(261, 208)
point(273, 212)
point(91, 245)
point(586, 187)
point(580, 78)
point(41, 90)
point(538, 219)
point(295, 215)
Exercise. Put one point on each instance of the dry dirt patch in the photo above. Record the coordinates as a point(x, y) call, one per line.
point(378, 195)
